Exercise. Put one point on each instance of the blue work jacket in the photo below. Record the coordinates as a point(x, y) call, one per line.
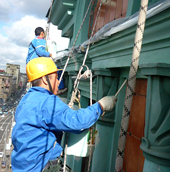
point(37, 49)
point(40, 117)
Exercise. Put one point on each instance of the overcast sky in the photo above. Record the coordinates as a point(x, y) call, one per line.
point(18, 20)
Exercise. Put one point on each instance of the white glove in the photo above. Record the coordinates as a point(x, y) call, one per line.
point(107, 103)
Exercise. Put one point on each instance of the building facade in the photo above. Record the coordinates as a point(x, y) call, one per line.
point(23, 80)
point(14, 70)
point(109, 57)
point(11, 81)
point(6, 86)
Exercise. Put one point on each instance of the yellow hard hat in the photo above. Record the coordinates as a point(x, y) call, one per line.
point(38, 67)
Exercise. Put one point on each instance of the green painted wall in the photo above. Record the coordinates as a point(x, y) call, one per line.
point(134, 6)
point(154, 167)
point(78, 18)
point(71, 24)
point(110, 61)
point(156, 143)
point(116, 51)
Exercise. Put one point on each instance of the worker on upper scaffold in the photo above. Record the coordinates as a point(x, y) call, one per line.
point(37, 47)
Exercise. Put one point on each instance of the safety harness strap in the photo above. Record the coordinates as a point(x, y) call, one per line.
point(47, 78)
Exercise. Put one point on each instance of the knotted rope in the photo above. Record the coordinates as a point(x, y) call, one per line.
point(131, 85)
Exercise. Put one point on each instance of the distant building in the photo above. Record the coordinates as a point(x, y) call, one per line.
point(6, 86)
point(23, 80)
point(14, 70)
point(11, 81)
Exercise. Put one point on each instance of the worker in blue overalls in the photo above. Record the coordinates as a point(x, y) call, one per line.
point(37, 47)
point(41, 117)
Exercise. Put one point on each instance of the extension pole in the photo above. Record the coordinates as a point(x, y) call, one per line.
point(131, 85)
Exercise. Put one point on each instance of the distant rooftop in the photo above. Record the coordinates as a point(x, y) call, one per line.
point(12, 64)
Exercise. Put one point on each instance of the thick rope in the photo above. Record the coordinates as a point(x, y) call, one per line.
point(91, 129)
point(65, 155)
point(76, 84)
point(131, 85)
point(69, 56)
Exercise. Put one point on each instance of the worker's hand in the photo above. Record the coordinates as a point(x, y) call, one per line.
point(50, 55)
point(107, 103)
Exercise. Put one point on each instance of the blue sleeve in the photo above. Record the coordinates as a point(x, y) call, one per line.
point(58, 116)
point(40, 48)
